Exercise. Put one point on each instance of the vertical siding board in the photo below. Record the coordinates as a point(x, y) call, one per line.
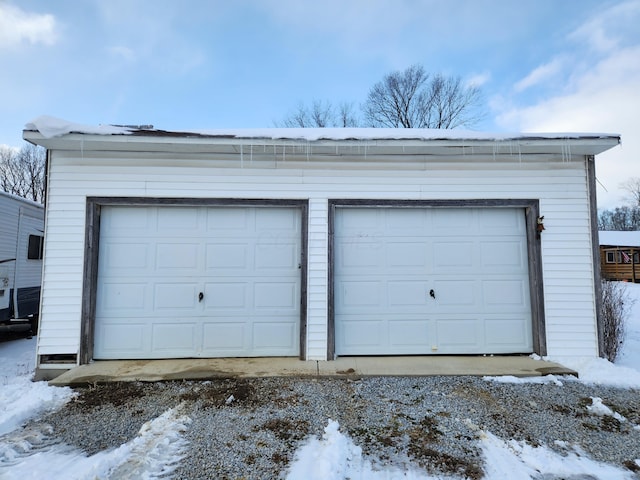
point(560, 187)
point(317, 279)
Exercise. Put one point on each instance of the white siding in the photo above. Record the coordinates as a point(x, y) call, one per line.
point(559, 184)
point(317, 275)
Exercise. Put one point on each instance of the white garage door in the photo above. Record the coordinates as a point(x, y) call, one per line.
point(198, 282)
point(431, 281)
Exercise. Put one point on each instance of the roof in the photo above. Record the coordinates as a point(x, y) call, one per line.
point(619, 239)
point(53, 133)
point(18, 198)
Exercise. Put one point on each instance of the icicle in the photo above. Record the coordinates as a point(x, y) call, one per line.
point(519, 153)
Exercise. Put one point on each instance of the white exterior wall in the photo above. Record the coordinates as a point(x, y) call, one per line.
point(560, 185)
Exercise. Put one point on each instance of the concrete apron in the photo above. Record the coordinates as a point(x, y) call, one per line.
point(202, 369)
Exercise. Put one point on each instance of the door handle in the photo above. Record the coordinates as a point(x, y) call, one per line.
point(432, 294)
point(200, 296)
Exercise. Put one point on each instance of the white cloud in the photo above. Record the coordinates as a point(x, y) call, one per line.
point(18, 26)
point(590, 86)
point(605, 99)
point(540, 74)
point(478, 79)
point(607, 29)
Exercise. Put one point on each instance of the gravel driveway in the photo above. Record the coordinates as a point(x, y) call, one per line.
point(250, 428)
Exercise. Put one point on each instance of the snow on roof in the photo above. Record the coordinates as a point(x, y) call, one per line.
point(50, 127)
point(623, 239)
point(21, 199)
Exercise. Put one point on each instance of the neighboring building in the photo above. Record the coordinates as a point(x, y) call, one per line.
point(620, 256)
point(316, 243)
point(21, 243)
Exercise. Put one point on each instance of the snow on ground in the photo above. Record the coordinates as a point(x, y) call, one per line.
point(336, 457)
point(626, 371)
point(21, 398)
point(154, 453)
point(159, 445)
point(630, 354)
point(29, 453)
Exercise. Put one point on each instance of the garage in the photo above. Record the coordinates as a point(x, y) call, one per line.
point(421, 280)
point(198, 281)
point(316, 243)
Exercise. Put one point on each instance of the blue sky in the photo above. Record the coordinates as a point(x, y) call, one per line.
point(543, 65)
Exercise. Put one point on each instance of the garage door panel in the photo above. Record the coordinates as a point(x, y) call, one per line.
point(456, 334)
point(226, 296)
point(352, 220)
point(410, 333)
point(271, 223)
point(174, 337)
point(276, 256)
point(458, 294)
point(174, 296)
point(136, 221)
point(500, 221)
point(359, 253)
point(407, 293)
point(244, 260)
point(404, 222)
point(359, 294)
point(502, 255)
point(274, 335)
point(505, 331)
point(474, 260)
point(122, 297)
point(506, 294)
point(360, 336)
point(232, 256)
point(280, 296)
point(125, 256)
point(121, 338)
point(224, 337)
point(450, 221)
point(452, 253)
point(406, 255)
point(228, 221)
point(177, 257)
point(178, 220)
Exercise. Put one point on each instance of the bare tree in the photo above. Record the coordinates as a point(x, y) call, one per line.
point(414, 99)
point(620, 218)
point(347, 117)
point(632, 187)
point(22, 171)
point(321, 114)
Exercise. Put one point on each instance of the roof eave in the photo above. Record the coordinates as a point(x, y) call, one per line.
point(223, 141)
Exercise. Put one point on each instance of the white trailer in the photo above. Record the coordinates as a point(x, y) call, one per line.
point(21, 248)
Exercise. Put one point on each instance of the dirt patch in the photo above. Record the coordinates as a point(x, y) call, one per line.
point(116, 394)
point(287, 429)
point(221, 393)
point(448, 464)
